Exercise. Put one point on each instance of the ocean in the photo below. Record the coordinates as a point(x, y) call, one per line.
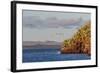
point(49, 54)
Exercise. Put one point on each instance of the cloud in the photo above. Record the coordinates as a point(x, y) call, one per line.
point(50, 22)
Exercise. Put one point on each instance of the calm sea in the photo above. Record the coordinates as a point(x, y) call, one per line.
point(43, 55)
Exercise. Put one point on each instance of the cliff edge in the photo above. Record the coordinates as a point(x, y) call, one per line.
point(80, 42)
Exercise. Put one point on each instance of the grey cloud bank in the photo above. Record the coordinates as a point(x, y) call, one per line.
point(51, 26)
point(43, 19)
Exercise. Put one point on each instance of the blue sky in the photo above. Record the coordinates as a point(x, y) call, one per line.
point(50, 25)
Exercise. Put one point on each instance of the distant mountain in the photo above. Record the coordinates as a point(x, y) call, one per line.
point(29, 43)
point(40, 44)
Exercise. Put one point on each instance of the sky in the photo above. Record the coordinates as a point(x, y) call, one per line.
point(51, 25)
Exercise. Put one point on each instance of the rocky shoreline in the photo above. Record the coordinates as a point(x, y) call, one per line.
point(80, 42)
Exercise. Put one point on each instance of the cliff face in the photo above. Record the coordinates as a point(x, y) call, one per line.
point(80, 42)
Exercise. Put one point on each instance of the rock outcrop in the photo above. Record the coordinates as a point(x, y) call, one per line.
point(80, 42)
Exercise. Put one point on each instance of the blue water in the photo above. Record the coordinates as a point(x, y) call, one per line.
point(43, 55)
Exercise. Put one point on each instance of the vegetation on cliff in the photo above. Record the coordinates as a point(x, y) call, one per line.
point(80, 42)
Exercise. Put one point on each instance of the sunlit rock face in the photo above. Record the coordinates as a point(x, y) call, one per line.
point(80, 42)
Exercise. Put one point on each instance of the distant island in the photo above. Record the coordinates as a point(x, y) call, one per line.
point(41, 44)
point(80, 42)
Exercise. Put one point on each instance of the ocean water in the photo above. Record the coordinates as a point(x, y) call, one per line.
point(44, 55)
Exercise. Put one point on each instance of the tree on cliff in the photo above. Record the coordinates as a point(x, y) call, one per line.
point(80, 42)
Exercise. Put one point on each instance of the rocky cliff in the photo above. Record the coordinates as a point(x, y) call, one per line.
point(80, 42)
